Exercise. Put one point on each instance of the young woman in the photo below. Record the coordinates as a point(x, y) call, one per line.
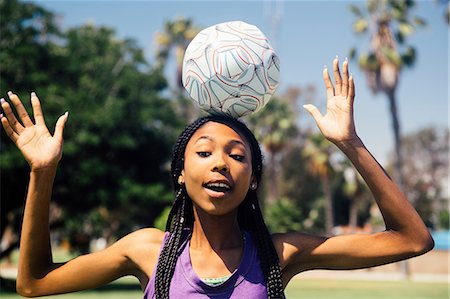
point(216, 244)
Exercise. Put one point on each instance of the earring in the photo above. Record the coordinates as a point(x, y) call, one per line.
point(253, 185)
point(180, 180)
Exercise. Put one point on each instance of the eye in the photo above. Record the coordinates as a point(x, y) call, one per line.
point(204, 154)
point(239, 158)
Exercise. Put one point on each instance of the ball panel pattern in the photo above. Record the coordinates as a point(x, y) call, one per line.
point(230, 68)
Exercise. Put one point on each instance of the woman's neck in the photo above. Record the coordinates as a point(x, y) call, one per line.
point(216, 233)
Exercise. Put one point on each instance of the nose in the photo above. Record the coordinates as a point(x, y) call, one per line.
point(220, 165)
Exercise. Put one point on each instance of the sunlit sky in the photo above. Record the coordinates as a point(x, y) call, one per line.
point(306, 35)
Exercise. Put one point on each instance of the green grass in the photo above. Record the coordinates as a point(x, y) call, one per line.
point(343, 289)
point(302, 289)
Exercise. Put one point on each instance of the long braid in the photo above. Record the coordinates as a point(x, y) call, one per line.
point(181, 215)
point(250, 218)
point(255, 224)
point(267, 253)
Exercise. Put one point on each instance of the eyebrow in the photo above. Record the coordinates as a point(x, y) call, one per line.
point(234, 141)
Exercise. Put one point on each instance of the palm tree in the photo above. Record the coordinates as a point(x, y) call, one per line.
point(175, 37)
point(356, 191)
point(388, 23)
point(275, 127)
point(317, 152)
point(446, 3)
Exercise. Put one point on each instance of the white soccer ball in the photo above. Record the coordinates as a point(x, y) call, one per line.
point(230, 68)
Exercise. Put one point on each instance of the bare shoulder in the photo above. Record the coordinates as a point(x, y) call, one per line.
point(144, 236)
point(142, 249)
point(291, 245)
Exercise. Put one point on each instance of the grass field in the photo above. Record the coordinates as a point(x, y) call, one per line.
point(302, 289)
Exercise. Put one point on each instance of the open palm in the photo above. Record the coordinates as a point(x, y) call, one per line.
point(38, 146)
point(337, 125)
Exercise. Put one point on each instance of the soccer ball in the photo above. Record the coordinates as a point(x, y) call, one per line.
point(230, 68)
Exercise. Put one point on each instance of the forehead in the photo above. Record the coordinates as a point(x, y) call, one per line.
point(218, 132)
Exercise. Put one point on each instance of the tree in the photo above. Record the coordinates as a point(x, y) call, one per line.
point(175, 37)
point(283, 216)
point(274, 127)
point(357, 192)
point(26, 30)
point(303, 188)
point(389, 24)
point(447, 10)
point(121, 137)
point(118, 138)
point(426, 162)
point(318, 153)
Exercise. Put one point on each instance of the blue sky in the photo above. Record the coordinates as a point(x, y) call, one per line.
point(306, 35)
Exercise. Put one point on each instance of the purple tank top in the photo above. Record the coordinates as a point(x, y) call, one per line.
point(246, 282)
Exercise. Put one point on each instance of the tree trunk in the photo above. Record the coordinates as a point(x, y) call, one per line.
point(404, 265)
point(329, 217)
point(397, 140)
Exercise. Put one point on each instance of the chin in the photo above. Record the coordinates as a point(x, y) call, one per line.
point(214, 209)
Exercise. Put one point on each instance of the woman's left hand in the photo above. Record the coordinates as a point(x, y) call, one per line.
point(337, 125)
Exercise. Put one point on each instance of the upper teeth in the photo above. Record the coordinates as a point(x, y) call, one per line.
point(220, 185)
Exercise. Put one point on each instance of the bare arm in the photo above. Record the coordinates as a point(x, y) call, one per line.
point(405, 235)
point(37, 274)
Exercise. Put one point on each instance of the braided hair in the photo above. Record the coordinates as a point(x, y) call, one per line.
point(249, 214)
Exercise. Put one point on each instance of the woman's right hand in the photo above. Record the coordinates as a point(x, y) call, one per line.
point(38, 146)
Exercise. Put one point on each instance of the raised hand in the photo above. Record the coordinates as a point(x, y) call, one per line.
point(337, 125)
point(38, 146)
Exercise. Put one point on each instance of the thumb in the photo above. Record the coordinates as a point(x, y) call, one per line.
point(315, 113)
point(59, 128)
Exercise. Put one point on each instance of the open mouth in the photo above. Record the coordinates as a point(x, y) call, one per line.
point(218, 187)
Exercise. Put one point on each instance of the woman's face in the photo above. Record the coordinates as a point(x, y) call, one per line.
point(217, 168)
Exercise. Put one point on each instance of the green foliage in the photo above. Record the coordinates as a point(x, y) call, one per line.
point(444, 220)
point(392, 56)
point(282, 216)
point(368, 62)
point(113, 175)
point(303, 188)
point(409, 56)
point(426, 163)
point(161, 220)
point(388, 23)
point(274, 125)
point(360, 26)
point(356, 11)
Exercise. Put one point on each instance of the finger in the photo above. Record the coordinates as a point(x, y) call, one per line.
point(328, 84)
point(37, 110)
point(9, 131)
point(351, 90)
point(59, 128)
point(337, 76)
point(315, 113)
point(21, 112)
point(13, 122)
point(344, 90)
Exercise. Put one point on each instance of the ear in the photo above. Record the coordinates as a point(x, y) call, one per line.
point(253, 183)
point(181, 178)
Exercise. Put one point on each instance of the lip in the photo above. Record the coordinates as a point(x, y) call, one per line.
point(217, 194)
point(226, 182)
